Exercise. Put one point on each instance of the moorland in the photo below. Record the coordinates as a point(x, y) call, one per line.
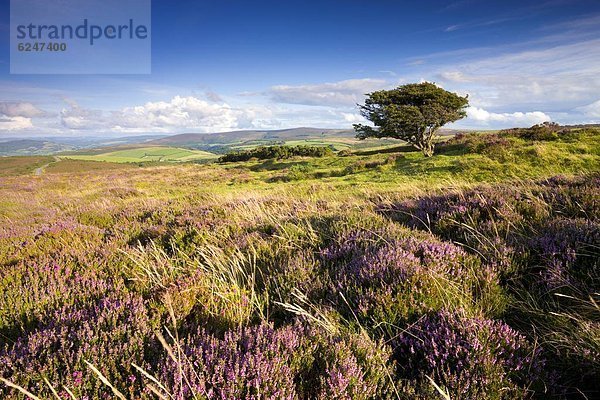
point(354, 273)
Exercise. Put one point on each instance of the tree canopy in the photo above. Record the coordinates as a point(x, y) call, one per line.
point(412, 112)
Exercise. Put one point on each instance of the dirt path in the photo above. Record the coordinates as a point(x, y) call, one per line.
point(39, 171)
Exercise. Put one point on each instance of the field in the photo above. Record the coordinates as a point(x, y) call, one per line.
point(373, 274)
point(146, 154)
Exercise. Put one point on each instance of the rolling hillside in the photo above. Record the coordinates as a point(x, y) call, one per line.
point(186, 139)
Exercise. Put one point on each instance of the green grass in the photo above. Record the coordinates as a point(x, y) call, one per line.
point(147, 154)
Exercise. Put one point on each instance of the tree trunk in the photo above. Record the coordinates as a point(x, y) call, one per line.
point(425, 145)
point(427, 149)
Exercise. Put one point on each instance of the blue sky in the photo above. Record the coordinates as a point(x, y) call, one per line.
point(228, 65)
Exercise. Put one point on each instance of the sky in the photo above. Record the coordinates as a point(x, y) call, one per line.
point(238, 64)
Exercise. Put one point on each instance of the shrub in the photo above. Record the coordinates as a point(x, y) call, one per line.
point(276, 363)
point(395, 279)
point(498, 222)
point(543, 239)
point(276, 152)
point(109, 333)
point(490, 144)
point(569, 252)
point(470, 357)
point(541, 132)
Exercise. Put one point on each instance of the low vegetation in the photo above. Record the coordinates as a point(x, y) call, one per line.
point(472, 274)
point(276, 152)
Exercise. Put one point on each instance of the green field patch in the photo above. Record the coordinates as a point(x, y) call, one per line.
point(147, 154)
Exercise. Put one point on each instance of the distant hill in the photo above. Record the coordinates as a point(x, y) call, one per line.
point(224, 138)
point(57, 144)
point(31, 147)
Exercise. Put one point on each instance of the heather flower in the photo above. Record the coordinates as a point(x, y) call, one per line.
point(471, 357)
point(109, 333)
point(263, 362)
point(248, 363)
point(391, 279)
point(569, 253)
point(356, 368)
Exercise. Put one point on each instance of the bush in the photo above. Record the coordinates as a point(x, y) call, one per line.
point(542, 238)
point(276, 152)
point(569, 251)
point(109, 333)
point(490, 144)
point(276, 363)
point(394, 279)
point(472, 358)
point(546, 131)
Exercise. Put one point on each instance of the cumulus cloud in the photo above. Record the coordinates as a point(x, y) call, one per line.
point(516, 119)
point(334, 94)
point(16, 116)
point(14, 123)
point(353, 118)
point(76, 117)
point(165, 116)
point(20, 109)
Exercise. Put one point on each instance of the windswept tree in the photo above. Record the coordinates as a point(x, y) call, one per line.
point(412, 112)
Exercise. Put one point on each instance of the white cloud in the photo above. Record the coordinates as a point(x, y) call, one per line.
point(14, 123)
point(76, 117)
point(559, 77)
point(353, 118)
point(180, 113)
point(17, 115)
point(20, 109)
point(515, 119)
point(334, 94)
point(591, 110)
point(454, 76)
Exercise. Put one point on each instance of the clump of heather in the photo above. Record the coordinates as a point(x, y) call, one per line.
point(498, 222)
point(392, 279)
point(492, 145)
point(355, 368)
point(569, 251)
point(543, 239)
point(248, 363)
point(31, 291)
point(470, 357)
point(110, 333)
point(480, 219)
point(264, 362)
